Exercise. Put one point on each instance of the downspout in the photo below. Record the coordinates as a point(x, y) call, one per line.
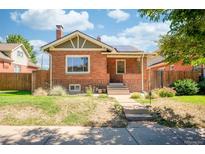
point(50, 68)
point(142, 69)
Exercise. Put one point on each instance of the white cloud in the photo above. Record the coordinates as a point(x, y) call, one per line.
point(42, 58)
point(142, 36)
point(48, 19)
point(118, 15)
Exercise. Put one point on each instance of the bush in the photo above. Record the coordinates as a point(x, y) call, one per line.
point(166, 92)
point(40, 92)
point(103, 96)
point(57, 91)
point(185, 87)
point(202, 86)
point(89, 91)
point(153, 96)
point(136, 95)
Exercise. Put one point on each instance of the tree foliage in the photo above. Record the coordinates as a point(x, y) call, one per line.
point(186, 39)
point(17, 38)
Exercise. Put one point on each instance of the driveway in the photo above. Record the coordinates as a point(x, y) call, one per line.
point(135, 133)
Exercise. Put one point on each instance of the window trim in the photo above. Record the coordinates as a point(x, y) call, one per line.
point(74, 86)
point(117, 60)
point(67, 56)
point(19, 67)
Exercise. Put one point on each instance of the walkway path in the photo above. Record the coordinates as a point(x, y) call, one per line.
point(133, 111)
point(135, 133)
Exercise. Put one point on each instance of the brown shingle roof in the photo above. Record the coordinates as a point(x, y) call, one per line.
point(8, 46)
point(4, 57)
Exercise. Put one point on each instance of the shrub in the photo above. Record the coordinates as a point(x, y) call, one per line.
point(89, 91)
point(40, 92)
point(136, 95)
point(185, 87)
point(166, 92)
point(202, 86)
point(57, 91)
point(103, 96)
point(153, 96)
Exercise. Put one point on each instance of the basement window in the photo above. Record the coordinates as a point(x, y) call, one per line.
point(74, 87)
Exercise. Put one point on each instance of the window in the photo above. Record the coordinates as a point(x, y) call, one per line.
point(77, 64)
point(139, 67)
point(74, 87)
point(17, 68)
point(171, 67)
point(19, 53)
point(120, 66)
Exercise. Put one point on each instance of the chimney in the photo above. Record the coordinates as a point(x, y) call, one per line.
point(99, 38)
point(59, 31)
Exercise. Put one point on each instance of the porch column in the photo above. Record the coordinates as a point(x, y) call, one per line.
point(142, 70)
point(50, 69)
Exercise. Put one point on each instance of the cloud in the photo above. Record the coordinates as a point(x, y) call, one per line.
point(48, 19)
point(42, 57)
point(1, 39)
point(118, 15)
point(142, 36)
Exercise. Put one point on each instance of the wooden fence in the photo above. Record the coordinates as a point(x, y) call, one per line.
point(15, 81)
point(160, 78)
point(24, 81)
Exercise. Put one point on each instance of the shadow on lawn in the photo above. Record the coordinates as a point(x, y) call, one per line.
point(15, 92)
point(167, 116)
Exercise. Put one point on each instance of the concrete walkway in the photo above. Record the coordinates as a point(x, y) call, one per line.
point(133, 111)
point(135, 133)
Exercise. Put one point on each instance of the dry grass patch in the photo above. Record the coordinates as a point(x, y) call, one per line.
point(179, 114)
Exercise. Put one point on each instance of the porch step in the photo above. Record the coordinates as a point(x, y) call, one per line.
point(117, 89)
point(138, 111)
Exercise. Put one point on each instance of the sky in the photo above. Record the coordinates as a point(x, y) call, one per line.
point(115, 27)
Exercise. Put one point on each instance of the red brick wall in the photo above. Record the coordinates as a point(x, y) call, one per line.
point(177, 67)
point(9, 68)
point(132, 78)
point(97, 77)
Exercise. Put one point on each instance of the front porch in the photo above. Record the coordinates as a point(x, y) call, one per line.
point(127, 72)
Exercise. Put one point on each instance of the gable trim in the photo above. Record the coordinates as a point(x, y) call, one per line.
point(77, 33)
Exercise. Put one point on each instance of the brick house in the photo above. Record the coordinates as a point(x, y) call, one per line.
point(158, 63)
point(14, 58)
point(78, 61)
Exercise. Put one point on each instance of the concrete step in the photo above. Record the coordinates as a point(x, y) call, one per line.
point(116, 84)
point(136, 111)
point(118, 92)
point(117, 88)
point(139, 117)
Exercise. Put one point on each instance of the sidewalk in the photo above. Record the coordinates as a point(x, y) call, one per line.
point(135, 133)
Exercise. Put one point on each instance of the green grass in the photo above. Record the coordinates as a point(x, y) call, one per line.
point(45, 103)
point(195, 99)
point(51, 110)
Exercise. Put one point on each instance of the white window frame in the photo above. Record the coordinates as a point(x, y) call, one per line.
point(66, 70)
point(74, 86)
point(117, 60)
point(17, 66)
point(19, 53)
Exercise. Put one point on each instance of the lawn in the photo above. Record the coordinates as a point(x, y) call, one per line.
point(21, 108)
point(178, 111)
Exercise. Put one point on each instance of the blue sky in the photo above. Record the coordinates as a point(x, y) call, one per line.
point(116, 27)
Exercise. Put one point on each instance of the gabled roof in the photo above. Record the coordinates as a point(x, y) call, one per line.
point(4, 57)
point(77, 33)
point(126, 48)
point(9, 47)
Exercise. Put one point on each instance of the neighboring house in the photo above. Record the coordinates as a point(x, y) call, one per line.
point(158, 63)
point(78, 60)
point(14, 58)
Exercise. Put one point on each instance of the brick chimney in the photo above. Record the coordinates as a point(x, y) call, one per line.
point(99, 38)
point(59, 31)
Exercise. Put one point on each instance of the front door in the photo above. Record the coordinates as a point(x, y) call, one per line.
point(116, 70)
